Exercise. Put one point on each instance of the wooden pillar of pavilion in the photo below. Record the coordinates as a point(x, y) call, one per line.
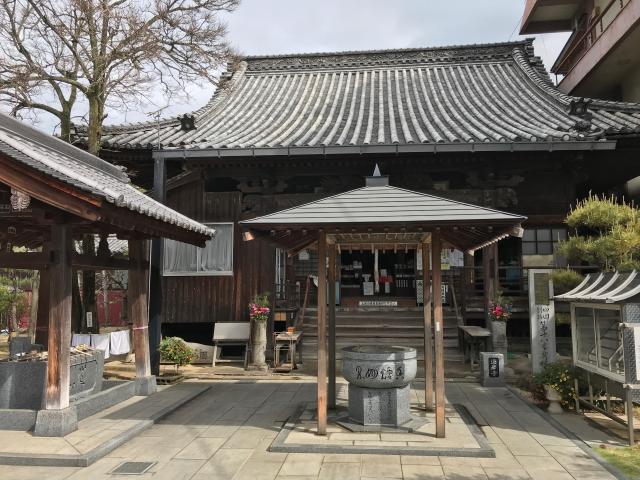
point(138, 283)
point(58, 363)
point(332, 326)
point(428, 346)
point(322, 333)
point(436, 243)
point(57, 419)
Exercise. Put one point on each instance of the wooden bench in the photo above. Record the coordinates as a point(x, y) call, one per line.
point(471, 340)
point(231, 334)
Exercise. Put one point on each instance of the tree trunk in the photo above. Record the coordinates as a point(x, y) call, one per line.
point(33, 310)
point(14, 319)
point(94, 127)
point(89, 286)
point(65, 125)
point(76, 305)
point(105, 298)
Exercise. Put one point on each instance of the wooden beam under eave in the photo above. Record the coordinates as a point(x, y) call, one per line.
point(96, 262)
point(48, 191)
point(26, 260)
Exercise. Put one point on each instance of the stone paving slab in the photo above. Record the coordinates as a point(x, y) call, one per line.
point(464, 439)
point(96, 435)
point(202, 428)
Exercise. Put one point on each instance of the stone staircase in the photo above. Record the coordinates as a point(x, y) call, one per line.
point(380, 326)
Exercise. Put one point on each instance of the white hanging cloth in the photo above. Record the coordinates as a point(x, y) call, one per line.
point(120, 343)
point(101, 342)
point(80, 339)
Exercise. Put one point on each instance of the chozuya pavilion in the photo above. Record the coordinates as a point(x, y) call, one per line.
point(380, 216)
point(63, 193)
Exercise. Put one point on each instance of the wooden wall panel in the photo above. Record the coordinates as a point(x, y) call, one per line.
point(207, 299)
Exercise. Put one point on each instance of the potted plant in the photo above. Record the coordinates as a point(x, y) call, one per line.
point(499, 313)
point(259, 314)
point(174, 350)
point(557, 379)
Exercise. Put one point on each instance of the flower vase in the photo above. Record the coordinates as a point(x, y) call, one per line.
point(259, 345)
point(554, 399)
point(499, 337)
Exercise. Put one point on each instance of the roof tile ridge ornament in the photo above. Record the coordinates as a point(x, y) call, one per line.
point(388, 57)
point(187, 122)
point(377, 179)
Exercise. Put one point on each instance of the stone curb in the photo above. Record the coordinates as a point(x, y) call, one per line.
point(485, 450)
point(86, 459)
point(570, 435)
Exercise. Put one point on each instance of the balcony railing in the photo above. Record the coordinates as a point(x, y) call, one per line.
point(587, 35)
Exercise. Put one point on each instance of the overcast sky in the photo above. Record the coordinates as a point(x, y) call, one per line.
point(295, 26)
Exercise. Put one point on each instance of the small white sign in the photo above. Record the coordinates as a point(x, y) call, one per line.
point(89, 319)
point(378, 303)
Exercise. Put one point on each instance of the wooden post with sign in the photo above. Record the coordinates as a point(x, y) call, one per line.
point(322, 333)
point(332, 326)
point(428, 345)
point(436, 243)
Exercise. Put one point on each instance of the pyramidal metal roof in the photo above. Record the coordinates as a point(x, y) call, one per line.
point(493, 94)
point(609, 287)
point(380, 213)
point(385, 205)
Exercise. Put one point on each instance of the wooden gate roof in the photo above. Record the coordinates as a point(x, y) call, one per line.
point(74, 181)
point(493, 97)
point(378, 213)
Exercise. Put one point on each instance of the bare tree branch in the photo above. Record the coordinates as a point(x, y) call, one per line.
point(113, 52)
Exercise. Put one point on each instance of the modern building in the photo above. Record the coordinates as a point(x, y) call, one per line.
point(481, 124)
point(601, 57)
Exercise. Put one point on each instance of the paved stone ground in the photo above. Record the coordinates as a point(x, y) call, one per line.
point(225, 432)
point(101, 429)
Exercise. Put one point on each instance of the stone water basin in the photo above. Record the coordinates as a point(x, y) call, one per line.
point(379, 366)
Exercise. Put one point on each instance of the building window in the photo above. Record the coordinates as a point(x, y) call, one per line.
point(542, 240)
point(216, 258)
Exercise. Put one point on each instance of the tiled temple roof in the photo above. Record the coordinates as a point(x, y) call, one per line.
point(495, 93)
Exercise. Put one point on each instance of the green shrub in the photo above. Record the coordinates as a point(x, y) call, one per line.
point(175, 350)
point(565, 280)
point(559, 376)
point(606, 234)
